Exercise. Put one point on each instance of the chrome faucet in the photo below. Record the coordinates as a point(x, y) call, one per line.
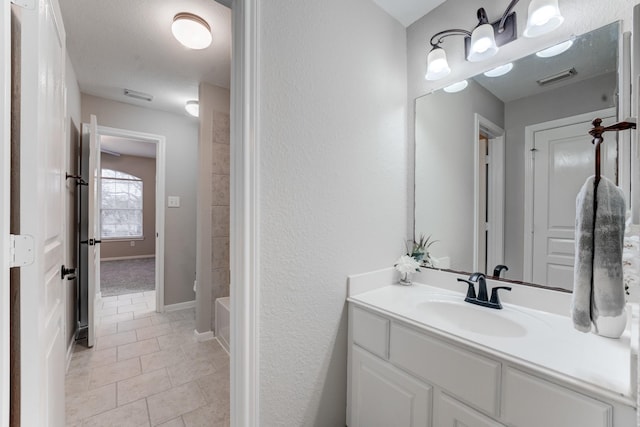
point(482, 297)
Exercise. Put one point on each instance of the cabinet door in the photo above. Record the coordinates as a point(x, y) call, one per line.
point(451, 413)
point(383, 396)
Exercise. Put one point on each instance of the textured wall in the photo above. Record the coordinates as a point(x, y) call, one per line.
point(145, 169)
point(332, 171)
point(181, 133)
point(213, 203)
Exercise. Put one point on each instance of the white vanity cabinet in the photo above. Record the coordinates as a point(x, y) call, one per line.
point(402, 375)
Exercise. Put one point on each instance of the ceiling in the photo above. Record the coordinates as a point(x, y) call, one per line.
point(130, 147)
point(521, 82)
point(408, 11)
point(118, 44)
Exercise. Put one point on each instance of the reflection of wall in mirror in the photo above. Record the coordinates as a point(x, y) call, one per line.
point(445, 122)
point(582, 97)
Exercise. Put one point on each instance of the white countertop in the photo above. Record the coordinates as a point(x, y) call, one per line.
point(548, 343)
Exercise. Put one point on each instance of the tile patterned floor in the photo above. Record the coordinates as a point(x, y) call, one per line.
point(147, 369)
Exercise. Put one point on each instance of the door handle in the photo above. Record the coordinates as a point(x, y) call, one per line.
point(69, 273)
point(91, 242)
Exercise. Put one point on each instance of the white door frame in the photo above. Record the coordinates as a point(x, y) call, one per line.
point(160, 142)
point(495, 201)
point(5, 188)
point(245, 214)
point(529, 139)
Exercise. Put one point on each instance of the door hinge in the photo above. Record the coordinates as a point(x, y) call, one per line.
point(21, 250)
point(25, 4)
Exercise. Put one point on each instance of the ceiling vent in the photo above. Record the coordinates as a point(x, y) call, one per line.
point(138, 95)
point(554, 78)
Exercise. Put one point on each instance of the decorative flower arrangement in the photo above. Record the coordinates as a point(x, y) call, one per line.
point(417, 256)
point(420, 250)
point(406, 264)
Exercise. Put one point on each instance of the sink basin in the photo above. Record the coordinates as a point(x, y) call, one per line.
point(480, 320)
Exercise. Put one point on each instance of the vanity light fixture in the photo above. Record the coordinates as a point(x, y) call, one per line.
point(193, 108)
point(487, 37)
point(499, 71)
point(555, 50)
point(191, 30)
point(456, 87)
point(544, 17)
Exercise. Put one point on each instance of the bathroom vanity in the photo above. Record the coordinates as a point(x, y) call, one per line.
point(421, 356)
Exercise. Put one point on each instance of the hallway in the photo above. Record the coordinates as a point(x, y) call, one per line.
point(147, 369)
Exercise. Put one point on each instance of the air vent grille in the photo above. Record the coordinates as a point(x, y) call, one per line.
point(554, 78)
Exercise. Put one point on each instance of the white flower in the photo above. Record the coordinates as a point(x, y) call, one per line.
point(407, 264)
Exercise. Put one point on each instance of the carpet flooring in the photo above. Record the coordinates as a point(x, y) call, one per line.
point(127, 276)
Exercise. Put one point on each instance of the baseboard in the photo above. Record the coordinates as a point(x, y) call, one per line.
point(120, 258)
point(203, 336)
point(180, 306)
point(70, 348)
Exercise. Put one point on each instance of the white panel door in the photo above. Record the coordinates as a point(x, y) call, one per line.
point(42, 178)
point(383, 396)
point(563, 160)
point(94, 227)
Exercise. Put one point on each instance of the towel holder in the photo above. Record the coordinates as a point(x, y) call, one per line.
point(597, 132)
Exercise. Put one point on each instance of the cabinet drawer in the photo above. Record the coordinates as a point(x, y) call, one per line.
point(555, 406)
point(451, 413)
point(371, 332)
point(469, 376)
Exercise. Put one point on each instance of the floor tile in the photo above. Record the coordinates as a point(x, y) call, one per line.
point(113, 318)
point(175, 340)
point(115, 372)
point(133, 307)
point(115, 340)
point(108, 311)
point(106, 329)
point(129, 296)
point(176, 422)
point(162, 359)
point(128, 351)
point(190, 370)
point(213, 415)
point(153, 331)
point(134, 414)
point(90, 403)
point(141, 386)
point(215, 387)
point(175, 402)
point(91, 358)
point(107, 299)
point(129, 325)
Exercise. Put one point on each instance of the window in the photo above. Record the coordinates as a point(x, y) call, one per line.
point(121, 207)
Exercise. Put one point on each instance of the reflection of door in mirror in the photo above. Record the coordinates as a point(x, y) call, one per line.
point(561, 159)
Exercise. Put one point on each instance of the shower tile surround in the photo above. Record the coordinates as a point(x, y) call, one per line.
point(147, 369)
point(220, 176)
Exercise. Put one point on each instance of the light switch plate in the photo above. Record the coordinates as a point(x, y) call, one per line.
point(174, 201)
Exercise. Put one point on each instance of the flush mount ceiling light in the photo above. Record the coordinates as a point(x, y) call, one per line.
point(499, 71)
point(191, 30)
point(487, 37)
point(555, 50)
point(193, 108)
point(456, 87)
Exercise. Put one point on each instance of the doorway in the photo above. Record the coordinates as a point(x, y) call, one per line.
point(126, 204)
point(489, 195)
